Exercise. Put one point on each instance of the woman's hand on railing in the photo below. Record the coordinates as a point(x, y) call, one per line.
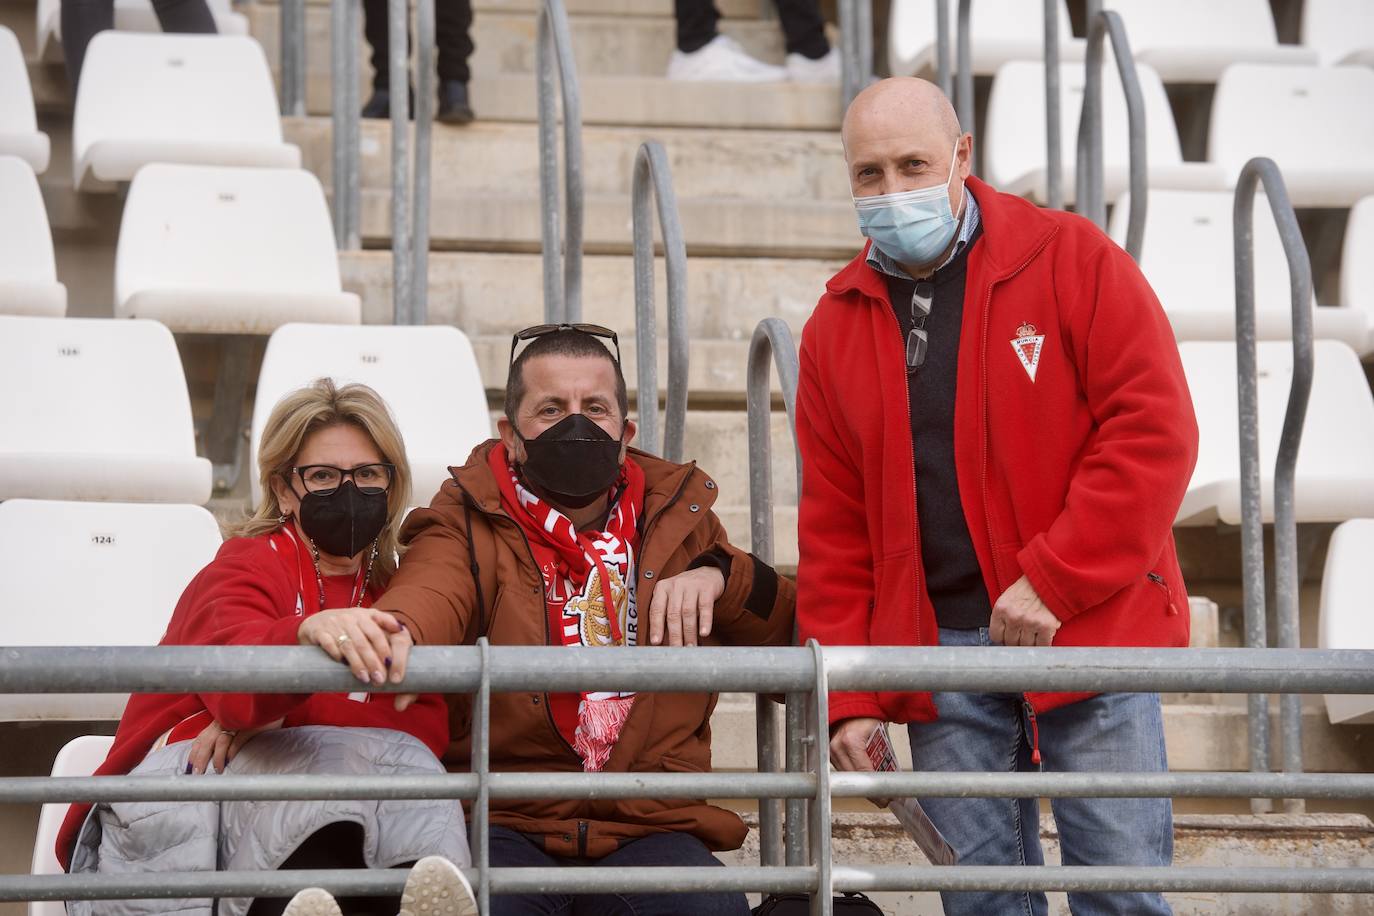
point(371, 643)
point(217, 746)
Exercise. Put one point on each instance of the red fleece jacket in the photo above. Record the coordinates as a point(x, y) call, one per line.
point(250, 595)
point(1070, 475)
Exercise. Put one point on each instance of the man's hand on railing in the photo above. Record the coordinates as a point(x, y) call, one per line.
point(1020, 618)
point(683, 605)
point(371, 643)
point(217, 746)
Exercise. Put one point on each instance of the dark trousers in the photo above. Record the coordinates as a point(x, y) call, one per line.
point(512, 849)
point(452, 34)
point(332, 846)
point(802, 26)
point(82, 19)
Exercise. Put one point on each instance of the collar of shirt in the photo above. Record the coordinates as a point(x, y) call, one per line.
point(967, 226)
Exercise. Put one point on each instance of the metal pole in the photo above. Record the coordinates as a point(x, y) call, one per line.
point(849, 65)
point(555, 47)
point(817, 748)
point(293, 58)
point(1286, 585)
point(338, 103)
point(424, 130)
point(798, 810)
point(481, 762)
point(863, 37)
point(1090, 200)
point(772, 342)
point(653, 177)
point(964, 95)
point(943, 69)
point(397, 27)
point(352, 126)
point(1054, 154)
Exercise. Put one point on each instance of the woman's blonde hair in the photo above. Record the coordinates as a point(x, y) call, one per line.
point(301, 414)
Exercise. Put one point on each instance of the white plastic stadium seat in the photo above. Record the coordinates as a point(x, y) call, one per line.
point(1340, 31)
point(95, 574)
point(19, 133)
point(1357, 268)
point(999, 31)
point(204, 99)
point(78, 757)
point(1335, 478)
point(129, 16)
point(1188, 256)
point(1317, 123)
point(1014, 150)
point(228, 250)
point(96, 409)
point(28, 271)
point(1190, 42)
point(1345, 621)
point(427, 375)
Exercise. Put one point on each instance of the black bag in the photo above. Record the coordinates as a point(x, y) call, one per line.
point(850, 904)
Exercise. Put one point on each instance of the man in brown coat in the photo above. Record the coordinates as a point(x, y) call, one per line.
point(559, 534)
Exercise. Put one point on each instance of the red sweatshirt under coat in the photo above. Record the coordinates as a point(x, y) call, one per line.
point(252, 594)
point(1072, 478)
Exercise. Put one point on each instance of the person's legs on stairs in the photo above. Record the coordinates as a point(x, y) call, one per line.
point(705, 55)
point(810, 58)
point(453, 34)
point(82, 20)
point(191, 17)
point(377, 32)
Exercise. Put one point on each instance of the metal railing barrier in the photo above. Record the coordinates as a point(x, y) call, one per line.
point(653, 183)
point(772, 344)
point(811, 671)
point(944, 68)
point(1089, 178)
point(346, 120)
point(1256, 172)
point(425, 102)
point(856, 48)
point(292, 40)
point(963, 88)
point(562, 303)
point(1054, 154)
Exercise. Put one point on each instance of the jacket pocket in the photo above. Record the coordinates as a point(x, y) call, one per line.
point(679, 765)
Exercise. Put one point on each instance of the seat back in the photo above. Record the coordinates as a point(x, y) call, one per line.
point(1334, 28)
point(227, 229)
point(17, 114)
point(428, 376)
point(1304, 118)
point(26, 251)
point(170, 88)
point(912, 32)
point(1015, 142)
point(1188, 24)
point(1345, 621)
point(78, 757)
point(1357, 267)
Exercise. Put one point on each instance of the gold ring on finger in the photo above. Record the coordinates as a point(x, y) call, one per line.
point(342, 639)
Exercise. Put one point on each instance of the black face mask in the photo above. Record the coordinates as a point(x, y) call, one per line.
point(344, 522)
point(574, 461)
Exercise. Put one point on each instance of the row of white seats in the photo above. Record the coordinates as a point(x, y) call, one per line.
point(1183, 40)
point(98, 409)
point(19, 133)
point(1316, 123)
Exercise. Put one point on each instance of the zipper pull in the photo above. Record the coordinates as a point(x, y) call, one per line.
point(1035, 758)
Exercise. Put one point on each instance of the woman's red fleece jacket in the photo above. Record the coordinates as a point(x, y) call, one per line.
point(1074, 439)
point(249, 595)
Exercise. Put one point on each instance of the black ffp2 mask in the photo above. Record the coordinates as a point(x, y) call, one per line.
point(574, 461)
point(344, 522)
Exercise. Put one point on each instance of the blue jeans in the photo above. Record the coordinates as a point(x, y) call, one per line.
point(510, 848)
point(1112, 732)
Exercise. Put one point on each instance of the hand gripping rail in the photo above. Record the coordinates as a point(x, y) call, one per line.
point(653, 181)
point(554, 48)
point(1264, 171)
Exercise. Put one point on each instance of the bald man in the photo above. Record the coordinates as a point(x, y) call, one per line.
point(1013, 482)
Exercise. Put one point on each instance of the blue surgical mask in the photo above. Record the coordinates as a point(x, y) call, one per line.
point(911, 227)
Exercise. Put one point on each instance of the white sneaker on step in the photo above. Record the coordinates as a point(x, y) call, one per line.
point(803, 69)
point(436, 887)
point(722, 60)
point(313, 901)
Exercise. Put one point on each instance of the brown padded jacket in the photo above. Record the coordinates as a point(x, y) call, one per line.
point(435, 594)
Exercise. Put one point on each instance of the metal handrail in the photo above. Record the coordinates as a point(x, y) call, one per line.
point(944, 70)
point(1257, 171)
point(653, 184)
point(856, 48)
point(1054, 154)
point(418, 310)
point(398, 26)
point(345, 120)
point(1089, 179)
point(292, 39)
point(964, 80)
point(561, 303)
point(772, 344)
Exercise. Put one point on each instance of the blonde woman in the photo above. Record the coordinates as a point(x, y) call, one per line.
point(335, 486)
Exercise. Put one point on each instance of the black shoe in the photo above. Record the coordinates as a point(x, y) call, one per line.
point(453, 103)
point(379, 105)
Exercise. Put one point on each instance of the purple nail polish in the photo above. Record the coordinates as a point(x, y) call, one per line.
point(387, 661)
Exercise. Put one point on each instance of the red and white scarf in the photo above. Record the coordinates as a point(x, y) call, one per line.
point(576, 567)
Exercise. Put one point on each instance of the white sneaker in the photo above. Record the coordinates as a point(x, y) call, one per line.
point(313, 901)
point(803, 69)
point(722, 60)
point(436, 887)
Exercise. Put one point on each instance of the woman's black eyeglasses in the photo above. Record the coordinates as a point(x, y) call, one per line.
point(323, 479)
point(540, 330)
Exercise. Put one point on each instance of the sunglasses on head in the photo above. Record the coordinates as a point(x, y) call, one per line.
point(541, 330)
